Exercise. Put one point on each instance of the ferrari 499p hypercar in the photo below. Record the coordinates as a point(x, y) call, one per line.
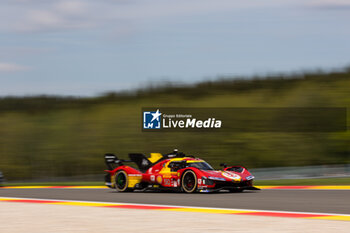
point(174, 171)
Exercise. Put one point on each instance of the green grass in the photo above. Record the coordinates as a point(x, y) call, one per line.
point(323, 181)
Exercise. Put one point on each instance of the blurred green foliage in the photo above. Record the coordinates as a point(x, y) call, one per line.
point(64, 136)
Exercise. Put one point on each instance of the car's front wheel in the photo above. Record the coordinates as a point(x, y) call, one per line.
point(189, 181)
point(121, 182)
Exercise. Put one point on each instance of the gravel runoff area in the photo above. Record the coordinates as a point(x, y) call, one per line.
point(28, 217)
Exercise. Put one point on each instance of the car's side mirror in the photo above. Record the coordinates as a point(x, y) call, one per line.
point(223, 165)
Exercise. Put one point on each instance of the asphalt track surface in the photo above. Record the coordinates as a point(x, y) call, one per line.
point(321, 201)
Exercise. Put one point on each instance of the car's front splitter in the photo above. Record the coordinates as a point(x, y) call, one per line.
point(227, 188)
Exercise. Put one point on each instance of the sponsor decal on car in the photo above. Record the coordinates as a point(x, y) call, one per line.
point(231, 175)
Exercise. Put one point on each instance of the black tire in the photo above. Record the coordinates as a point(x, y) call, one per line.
point(189, 181)
point(121, 182)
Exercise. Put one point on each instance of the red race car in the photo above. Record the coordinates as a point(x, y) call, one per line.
point(174, 171)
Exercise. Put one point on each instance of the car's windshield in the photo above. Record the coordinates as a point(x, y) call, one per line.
point(200, 165)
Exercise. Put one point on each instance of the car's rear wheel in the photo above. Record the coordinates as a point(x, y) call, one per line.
point(189, 181)
point(121, 182)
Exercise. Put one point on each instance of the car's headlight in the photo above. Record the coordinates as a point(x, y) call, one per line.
point(216, 178)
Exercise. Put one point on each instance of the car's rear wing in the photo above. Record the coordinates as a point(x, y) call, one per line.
point(142, 162)
point(112, 161)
